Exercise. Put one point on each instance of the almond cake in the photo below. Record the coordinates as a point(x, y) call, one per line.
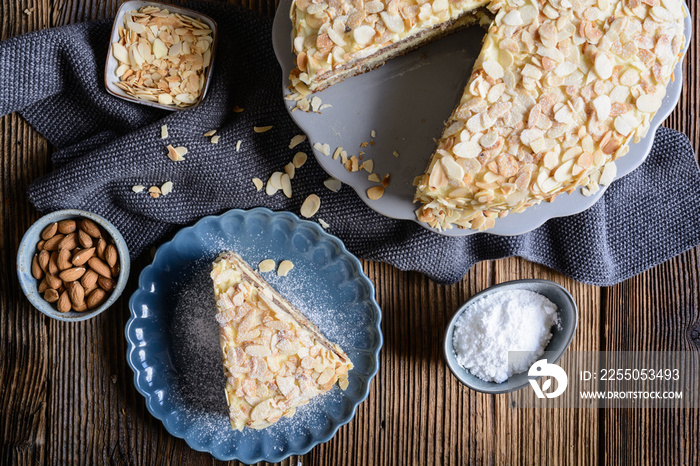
point(558, 91)
point(274, 358)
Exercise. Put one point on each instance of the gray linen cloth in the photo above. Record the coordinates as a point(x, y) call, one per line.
point(104, 146)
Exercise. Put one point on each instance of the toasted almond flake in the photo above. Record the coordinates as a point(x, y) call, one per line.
point(367, 165)
point(299, 159)
point(373, 134)
point(267, 265)
point(164, 132)
point(296, 140)
point(154, 195)
point(332, 184)
point(395, 153)
point(176, 154)
point(609, 174)
point(237, 109)
point(215, 139)
point(138, 188)
point(325, 149)
point(262, 129)
point(386, 180)
point(154, 189)
point(258, 184)
point(210, 133)
point(286, 185)
point(373, 177)
point(310, 206)
point(167, 188)
point(284, 268)
point(276, 180)
point(289, 169)
point(375, 192)
point(238, 145)
point(323, 223)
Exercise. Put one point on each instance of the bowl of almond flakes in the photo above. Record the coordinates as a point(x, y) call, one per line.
point(160, 55)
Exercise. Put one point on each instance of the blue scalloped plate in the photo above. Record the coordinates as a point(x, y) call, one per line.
point(173, 339)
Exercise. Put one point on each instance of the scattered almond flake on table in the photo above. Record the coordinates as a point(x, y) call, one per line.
point(215, 139)
point(269, 189)
point(289, 169)
point(29, 11)
point(262, 129)
point(276, 180)
point(284, 268)
point(332, 184)
point(286, 185)
point(353, 164)
point(237, 109)
point(296, 140)
point(138, 188)
point(374, 177)
point(323, 223)
point(258, 184)
point(395, 153)
point(363, 144)
point(238, 145)
point(325, 149)
point(176, 153)
point(337, 152)
point(373, 134)
point(299, 159)
point(210, 133)
point(375, 192)
point(267, 265)
point(324, 106)
point(310, 206)
point(154, 192)
point(164, 132)
point(167, 188)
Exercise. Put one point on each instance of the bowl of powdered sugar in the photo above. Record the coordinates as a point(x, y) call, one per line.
point(496, 336)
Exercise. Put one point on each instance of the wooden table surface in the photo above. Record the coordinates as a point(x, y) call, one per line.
point(67, 397)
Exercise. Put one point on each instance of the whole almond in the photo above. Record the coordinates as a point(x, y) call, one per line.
point(49, 231)
point(37, 272)
point(89, 280)
point(70, 242)
point(53, 263)
point(63, 259)
point(51, 244)
point(53, 281)
point(84, 239)
point(66, 226)
point(40, 245)
point(106, 284)
point(96, 298)
point(99, 266)
point(51, 295)
point(43, 286)
point(44, 260)
point(90, 227)
point(63, 303)
point(76, 293)
point(111, 255)
point(72, 274)
point(101, 247)
point(82, 256)
point(83, 307)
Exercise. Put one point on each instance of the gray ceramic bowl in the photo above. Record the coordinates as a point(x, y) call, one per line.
point(561, 338)
point(27, 249)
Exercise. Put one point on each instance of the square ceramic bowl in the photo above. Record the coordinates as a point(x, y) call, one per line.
point(28, 249)
point(112, 63)
point(561, 335)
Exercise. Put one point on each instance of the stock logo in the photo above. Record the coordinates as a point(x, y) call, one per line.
point(543, 369)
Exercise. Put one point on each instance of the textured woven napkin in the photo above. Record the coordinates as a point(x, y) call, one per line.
point(104, 146)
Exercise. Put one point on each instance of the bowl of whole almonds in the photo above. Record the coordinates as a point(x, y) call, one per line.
point(72, 264)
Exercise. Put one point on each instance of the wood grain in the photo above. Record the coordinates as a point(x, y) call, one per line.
point(67, 397)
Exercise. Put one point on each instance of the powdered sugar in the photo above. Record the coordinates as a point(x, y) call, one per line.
point(514, 320)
